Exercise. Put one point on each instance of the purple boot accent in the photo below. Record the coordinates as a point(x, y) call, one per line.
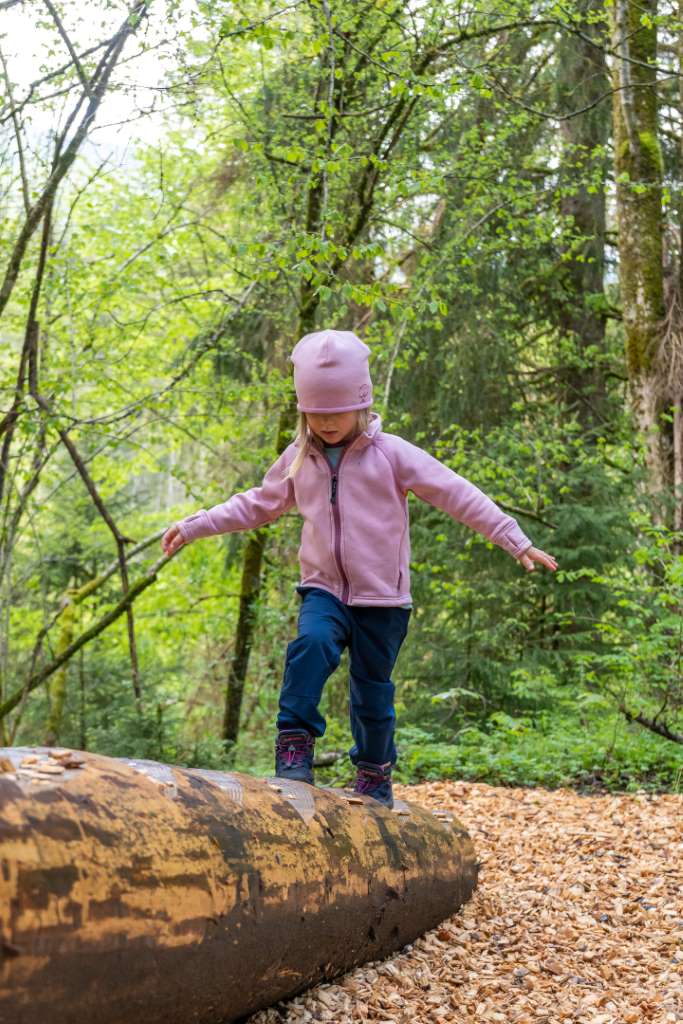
point(294, 755)
point(375, 780)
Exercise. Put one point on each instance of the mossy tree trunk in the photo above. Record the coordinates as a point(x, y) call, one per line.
point(638, 169)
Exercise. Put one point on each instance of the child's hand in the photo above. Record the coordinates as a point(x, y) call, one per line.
point(532, 555)
point(172, 540)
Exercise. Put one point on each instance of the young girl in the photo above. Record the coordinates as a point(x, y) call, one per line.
point(349, 481)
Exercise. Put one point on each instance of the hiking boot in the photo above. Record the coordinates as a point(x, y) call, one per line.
point(375, 780)
point(294, 755)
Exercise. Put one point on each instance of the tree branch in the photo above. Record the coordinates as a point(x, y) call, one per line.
point(660, 728)
point(67, 42)
point(35, 680)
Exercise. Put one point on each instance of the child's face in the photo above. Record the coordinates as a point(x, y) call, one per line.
point(332, 427)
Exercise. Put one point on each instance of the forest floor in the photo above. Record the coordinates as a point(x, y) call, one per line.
point(578, 917)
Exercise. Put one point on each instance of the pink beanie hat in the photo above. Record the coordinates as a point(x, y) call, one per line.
point(331, 372)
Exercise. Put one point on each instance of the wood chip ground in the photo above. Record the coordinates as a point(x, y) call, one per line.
point(578, 917)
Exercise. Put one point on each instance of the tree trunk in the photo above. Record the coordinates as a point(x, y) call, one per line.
point(678, 395)
point(250, 589)
point(582, 84)
point(638, 168)
point(252, 561)
point(678, 468)
point(132, 890)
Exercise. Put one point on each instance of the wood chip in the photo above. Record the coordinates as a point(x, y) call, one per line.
point(554, 967)
point(50, 769)
point(6, 765)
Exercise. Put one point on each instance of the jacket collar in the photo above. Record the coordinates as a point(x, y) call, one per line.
point(367, 437)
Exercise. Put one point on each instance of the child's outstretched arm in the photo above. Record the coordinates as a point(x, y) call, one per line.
point(243, 511)
point(418, 471)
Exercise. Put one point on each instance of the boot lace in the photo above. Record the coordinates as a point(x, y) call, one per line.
point(368, 779)
point(294, 749)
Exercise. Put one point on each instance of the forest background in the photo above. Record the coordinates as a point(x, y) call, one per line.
point(489, 194)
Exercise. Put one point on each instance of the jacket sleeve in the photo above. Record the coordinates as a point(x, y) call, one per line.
point(246, 510)
point(418, 471)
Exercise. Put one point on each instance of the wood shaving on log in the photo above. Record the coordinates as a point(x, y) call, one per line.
point(67, 758)
point(578, 918)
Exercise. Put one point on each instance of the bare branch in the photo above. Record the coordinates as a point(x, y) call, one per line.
point(63, 161)
point(56, 73)
point(17, 135)
point(67, 42)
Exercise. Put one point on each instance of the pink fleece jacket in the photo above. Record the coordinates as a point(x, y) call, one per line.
point(355, 540)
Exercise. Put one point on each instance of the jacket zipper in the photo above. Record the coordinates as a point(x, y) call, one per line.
point(334, 474)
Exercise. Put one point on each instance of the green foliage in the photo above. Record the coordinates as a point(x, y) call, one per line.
point(559, 750)
point(638, 654)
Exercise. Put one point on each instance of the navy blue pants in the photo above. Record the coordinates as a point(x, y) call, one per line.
point(374, 636)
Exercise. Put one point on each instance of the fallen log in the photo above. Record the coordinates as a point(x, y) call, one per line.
point(132, 891)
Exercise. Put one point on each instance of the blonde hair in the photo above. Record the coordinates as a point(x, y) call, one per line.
point(307, 440)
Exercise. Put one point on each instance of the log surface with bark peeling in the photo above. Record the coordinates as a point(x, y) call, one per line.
point(132, 890)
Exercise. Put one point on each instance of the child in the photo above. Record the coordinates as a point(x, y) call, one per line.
point(349, 481)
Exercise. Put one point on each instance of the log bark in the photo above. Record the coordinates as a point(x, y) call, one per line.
point(131, 890)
